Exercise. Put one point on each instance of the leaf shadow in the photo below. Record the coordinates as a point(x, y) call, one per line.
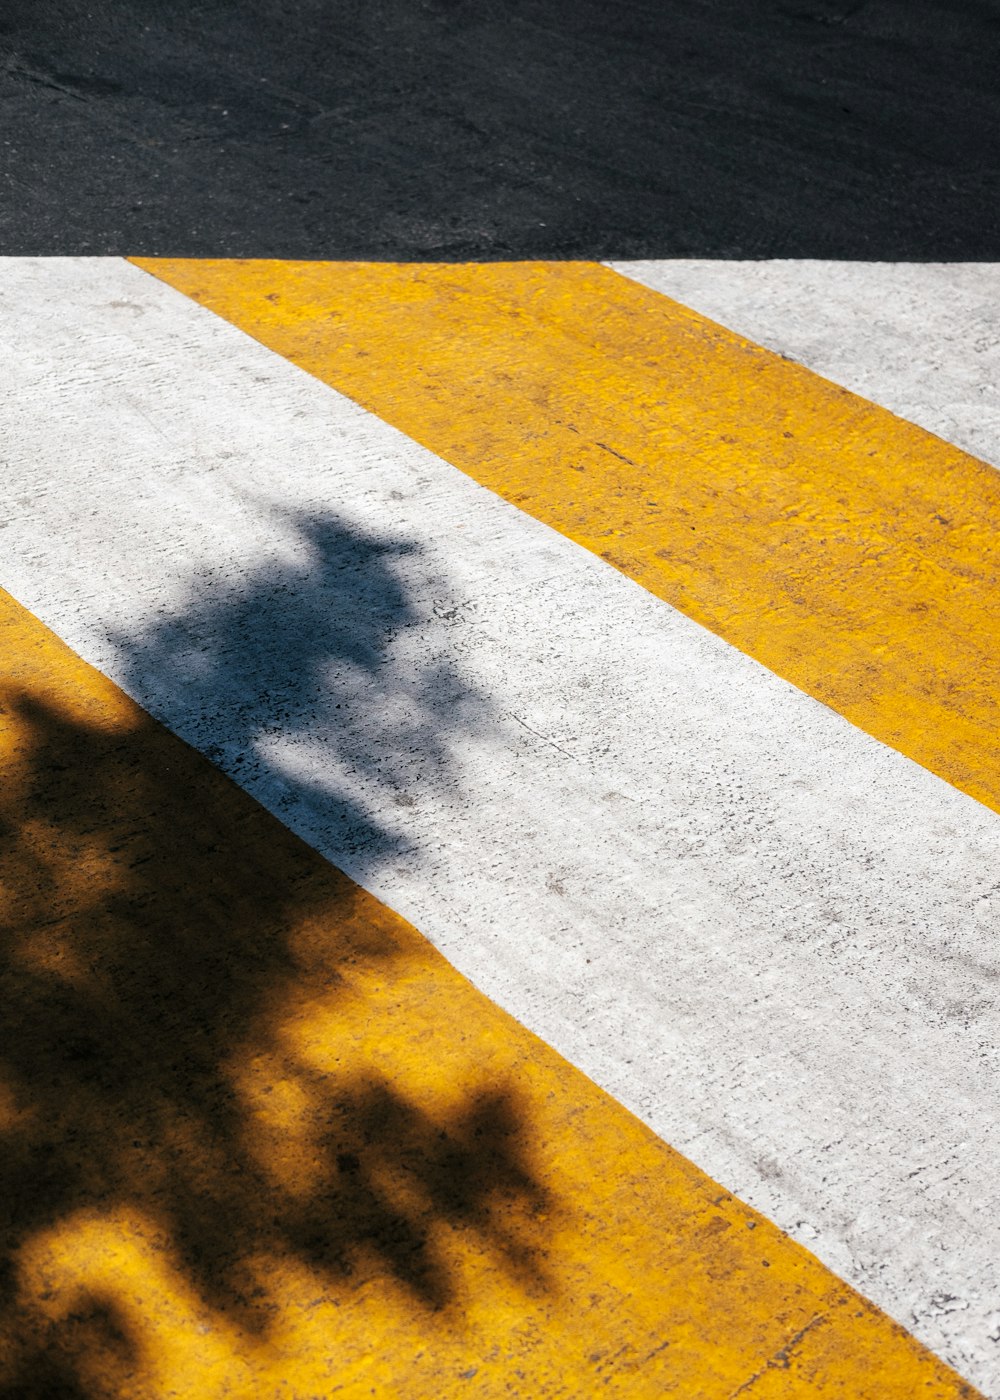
point(165, 940)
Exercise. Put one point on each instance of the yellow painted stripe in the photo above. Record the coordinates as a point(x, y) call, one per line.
point(849, 551)
point(260, 1138)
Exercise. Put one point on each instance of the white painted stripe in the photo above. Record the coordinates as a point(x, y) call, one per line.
point(769, 935)
point(921, 339)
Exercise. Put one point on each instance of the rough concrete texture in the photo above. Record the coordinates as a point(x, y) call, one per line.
point(770, 936)
point(921, 339)
point(845, 549)
point(260, 1139)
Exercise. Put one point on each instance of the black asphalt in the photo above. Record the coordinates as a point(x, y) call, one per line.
point(461, 129)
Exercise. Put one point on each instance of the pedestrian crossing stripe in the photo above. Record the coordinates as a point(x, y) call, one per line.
point(847, 550)
point(408, 1185)
point(782, 1367)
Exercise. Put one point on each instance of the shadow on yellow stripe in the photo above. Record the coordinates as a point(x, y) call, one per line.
point(260, 1138)
point(850, 552)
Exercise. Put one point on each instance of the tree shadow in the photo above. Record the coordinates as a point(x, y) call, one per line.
point(276, 678)
point(197, 1007)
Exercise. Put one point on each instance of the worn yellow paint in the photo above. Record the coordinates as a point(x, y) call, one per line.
point(259, 1138)
point(849, 551)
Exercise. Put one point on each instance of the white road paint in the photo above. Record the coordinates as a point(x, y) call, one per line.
point(921, 339)
point(770, 936)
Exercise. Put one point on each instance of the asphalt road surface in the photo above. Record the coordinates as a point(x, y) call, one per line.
point(452, 129)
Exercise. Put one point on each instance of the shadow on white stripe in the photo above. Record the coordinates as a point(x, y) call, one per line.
point(766, 933)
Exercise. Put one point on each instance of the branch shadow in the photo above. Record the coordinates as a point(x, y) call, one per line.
point(275, 680)
point(164, 939)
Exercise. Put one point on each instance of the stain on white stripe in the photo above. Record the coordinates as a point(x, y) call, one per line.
point(921, 339)
point(770, 936)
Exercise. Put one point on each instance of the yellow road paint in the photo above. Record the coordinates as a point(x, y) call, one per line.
point(850, 552)
point(259, 1138)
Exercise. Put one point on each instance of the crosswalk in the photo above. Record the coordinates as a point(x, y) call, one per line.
point(651, 676)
